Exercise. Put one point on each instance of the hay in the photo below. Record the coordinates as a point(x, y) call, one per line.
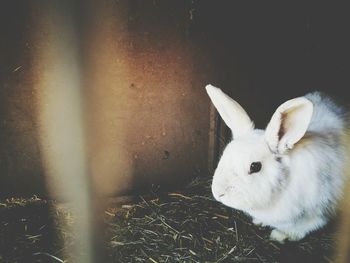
point(189, 226)
point(181, 226)
point(33, 230)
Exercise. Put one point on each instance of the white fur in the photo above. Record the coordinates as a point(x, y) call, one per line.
point(302, 158)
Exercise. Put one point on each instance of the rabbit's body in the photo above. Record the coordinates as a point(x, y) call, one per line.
point(315, 184)
point(301, 158)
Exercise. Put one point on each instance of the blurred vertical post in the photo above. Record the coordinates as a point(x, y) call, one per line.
point(61, 115)
point(343, 249)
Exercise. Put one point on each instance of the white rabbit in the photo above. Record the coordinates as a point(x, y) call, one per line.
point(290, 176)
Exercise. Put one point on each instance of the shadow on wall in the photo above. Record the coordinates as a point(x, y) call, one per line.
point(21, 170)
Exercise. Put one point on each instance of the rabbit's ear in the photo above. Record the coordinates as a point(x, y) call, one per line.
point(288, 124)
point(230, 111)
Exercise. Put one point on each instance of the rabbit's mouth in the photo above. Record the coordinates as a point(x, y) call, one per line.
point(231, 198)
point(223, 193)
point(227, 190)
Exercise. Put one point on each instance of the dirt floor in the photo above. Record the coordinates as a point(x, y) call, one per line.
point(181, 226)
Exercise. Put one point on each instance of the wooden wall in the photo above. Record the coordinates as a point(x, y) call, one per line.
point(144, 65)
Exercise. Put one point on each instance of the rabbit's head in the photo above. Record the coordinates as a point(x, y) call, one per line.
point(255, 166)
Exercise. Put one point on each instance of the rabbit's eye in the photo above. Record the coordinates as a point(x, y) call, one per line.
point(255, 167)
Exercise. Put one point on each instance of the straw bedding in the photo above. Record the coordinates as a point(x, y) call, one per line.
point(181, 226)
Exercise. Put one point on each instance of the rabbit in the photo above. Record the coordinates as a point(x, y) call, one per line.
point(290, 175)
